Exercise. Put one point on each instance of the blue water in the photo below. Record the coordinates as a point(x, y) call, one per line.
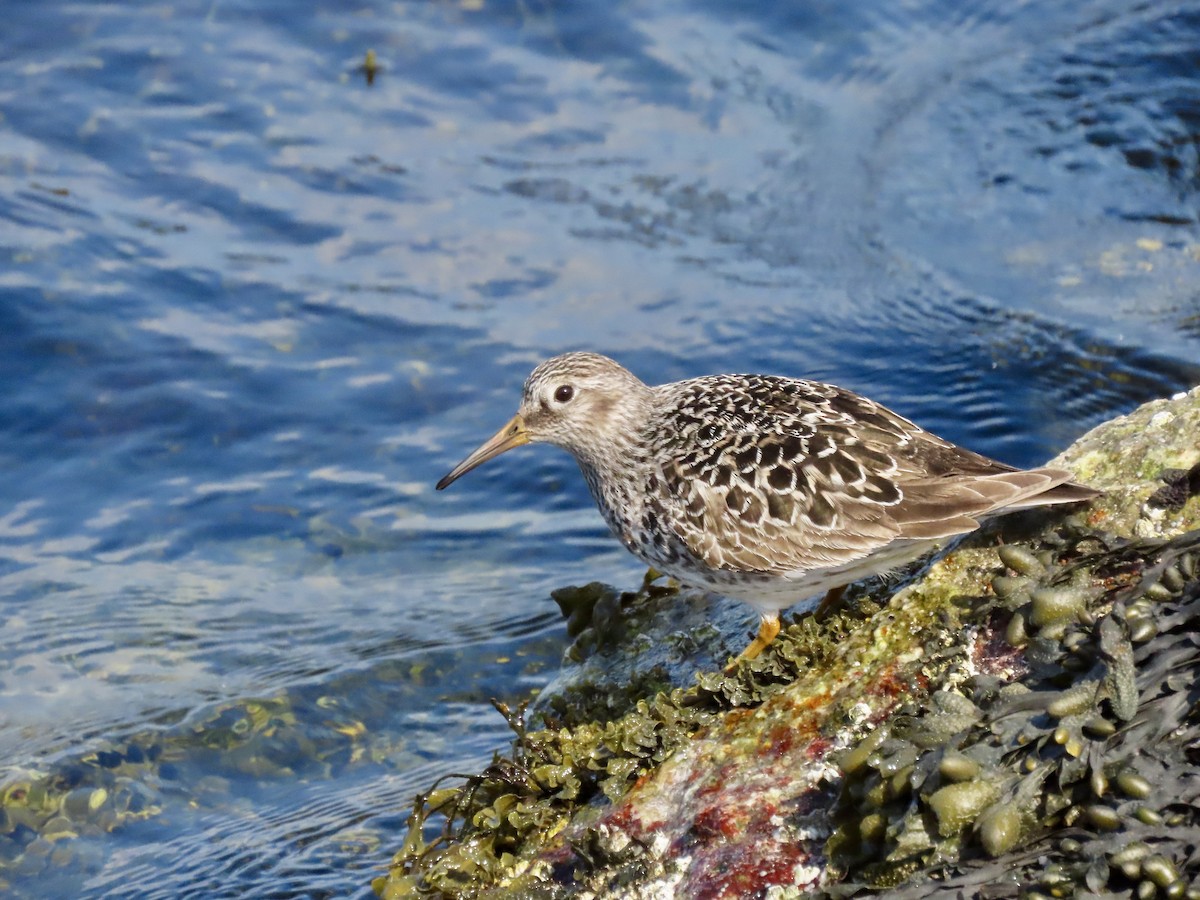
point(252, 307)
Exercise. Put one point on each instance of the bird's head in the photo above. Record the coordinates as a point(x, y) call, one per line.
point(583, 402)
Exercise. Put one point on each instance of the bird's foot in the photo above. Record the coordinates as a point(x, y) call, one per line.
point(768, 628)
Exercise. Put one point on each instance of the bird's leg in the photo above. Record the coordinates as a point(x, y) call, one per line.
point(767, 629)
point(831, 601)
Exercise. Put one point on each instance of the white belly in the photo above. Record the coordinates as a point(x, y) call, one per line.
point(772, 593)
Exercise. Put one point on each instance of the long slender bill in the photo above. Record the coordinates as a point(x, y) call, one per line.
point(511, 435)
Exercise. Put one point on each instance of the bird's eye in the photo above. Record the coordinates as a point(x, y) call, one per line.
point(563, 393)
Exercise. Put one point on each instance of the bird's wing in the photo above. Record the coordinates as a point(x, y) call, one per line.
point(782, 476)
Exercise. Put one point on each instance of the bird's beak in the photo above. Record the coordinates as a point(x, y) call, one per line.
point(514, 434)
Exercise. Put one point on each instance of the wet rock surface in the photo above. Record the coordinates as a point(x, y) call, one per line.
point(1017, 720)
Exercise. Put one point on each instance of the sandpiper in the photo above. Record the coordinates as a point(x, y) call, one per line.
point(759, 487)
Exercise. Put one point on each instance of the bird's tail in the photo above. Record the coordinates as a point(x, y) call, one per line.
point(1050, 487)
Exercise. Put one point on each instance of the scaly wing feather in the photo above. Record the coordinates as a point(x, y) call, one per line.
point(780, 476)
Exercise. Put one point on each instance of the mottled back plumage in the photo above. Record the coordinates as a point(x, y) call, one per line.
point(764, 488)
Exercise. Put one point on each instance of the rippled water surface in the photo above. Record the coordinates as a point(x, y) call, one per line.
point(252, 307)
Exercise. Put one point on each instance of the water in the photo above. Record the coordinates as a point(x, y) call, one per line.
point(251, 308)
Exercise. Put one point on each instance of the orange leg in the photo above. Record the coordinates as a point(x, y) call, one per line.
point(767, 629)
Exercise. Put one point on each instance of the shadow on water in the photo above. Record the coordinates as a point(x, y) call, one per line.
point(253, 308)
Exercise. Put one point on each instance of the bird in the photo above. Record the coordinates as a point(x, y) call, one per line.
point(763, 488)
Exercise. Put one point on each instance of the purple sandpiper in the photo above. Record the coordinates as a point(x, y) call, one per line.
point(758, 487)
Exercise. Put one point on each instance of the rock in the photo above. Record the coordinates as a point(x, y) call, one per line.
point(831, 761)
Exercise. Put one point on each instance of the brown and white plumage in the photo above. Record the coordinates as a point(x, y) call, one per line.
point(759, 487)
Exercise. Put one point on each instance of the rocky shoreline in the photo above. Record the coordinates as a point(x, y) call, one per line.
point(1016, 718)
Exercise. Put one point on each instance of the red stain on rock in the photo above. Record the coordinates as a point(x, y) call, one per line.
point(818, 748)
point(748, 866)
point(712, 822)
point(889, 684)
point(781, 738)
point(748, 810)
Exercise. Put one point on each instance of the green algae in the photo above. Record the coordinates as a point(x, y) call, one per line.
point(66, 808)
point(43, 813)
point(523, 799)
